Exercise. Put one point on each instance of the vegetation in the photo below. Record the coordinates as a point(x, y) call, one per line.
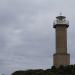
point(62, 70)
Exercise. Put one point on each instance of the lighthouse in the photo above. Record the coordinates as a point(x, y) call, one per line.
point(61, 57)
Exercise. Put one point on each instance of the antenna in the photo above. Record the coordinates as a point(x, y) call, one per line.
point(60, 14)
point(3, 74)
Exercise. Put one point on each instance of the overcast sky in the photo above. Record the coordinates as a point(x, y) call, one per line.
point(27, 37)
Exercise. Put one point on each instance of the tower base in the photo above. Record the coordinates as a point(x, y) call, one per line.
point(61, 59)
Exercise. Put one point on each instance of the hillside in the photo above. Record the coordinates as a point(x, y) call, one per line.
point(62, 70)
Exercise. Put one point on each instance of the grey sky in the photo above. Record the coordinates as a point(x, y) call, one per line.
point(27, 39)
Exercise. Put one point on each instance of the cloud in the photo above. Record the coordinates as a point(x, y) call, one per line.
point(27, 37)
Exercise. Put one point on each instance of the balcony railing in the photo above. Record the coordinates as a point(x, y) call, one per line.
point(61, 22)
